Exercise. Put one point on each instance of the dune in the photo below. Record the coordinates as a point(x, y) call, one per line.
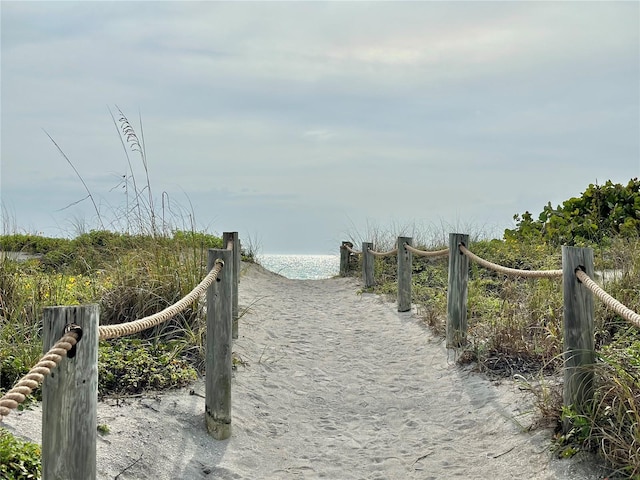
point(331, 383)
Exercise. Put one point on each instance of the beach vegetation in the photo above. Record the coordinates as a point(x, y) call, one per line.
point(130, 277)
point(515, 325)
point(142, 257)
point(19, 460)
point(153, 256)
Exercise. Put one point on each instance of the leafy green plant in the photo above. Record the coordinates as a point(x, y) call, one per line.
point(601, 212)
point(130, 366)
point(19, 460)
point(103, 429)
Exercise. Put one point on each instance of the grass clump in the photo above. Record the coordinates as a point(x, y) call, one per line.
point(614, 426)
point(131, 366)
point(19, 460)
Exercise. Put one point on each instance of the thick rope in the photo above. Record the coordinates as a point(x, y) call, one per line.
point(608, 300)
point(31, 380)
point(383, 254)
point(129, 328)
point(350, 249)
point(425, 253)
point(27, 384)
point(511, 271)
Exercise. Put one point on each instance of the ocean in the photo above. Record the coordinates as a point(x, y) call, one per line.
point(301, 267)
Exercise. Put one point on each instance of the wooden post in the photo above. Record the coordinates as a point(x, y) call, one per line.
point(70, 396)
point(345, 255)
point(226, 238)
point(579, 353)
point(457, 291)
point(367, 264)
point(405, 266)
point(219, 340)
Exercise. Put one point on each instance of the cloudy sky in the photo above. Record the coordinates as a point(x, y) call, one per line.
point(300, 124)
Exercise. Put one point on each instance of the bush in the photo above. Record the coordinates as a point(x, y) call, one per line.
point(129, 366)
point(19, 460)
point(601, 212)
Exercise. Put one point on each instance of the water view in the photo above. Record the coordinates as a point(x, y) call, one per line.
point(301, 267)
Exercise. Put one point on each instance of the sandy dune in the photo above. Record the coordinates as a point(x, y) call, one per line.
point(338, 385)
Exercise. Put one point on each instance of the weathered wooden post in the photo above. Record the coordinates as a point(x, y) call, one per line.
point(70, 396)
point(232, 238)
point(579, 352)
point(405, 266)
point(345, 255)
point(367, 264)
point(457, 291)
point(219, 340)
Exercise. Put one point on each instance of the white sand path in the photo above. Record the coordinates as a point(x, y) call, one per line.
point(338, 385)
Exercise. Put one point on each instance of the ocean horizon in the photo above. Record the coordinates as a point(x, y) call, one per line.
point(301, 266)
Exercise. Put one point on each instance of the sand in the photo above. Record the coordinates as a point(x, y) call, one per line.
point(337, 385)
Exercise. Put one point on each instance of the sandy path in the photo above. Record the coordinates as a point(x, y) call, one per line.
point(338, 386)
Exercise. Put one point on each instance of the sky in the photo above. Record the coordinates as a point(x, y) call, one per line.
point(302, 124)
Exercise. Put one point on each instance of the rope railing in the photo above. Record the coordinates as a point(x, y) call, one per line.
point(384, 254)
point(114, 331)
point(618, 307)
point(427, 253)
point(74, 455)
point(510, 271)
point(28, 383)
point(350, 249)
point(577, 287)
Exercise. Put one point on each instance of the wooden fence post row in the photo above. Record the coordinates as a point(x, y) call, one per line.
point(70, 396)
point(70, 392)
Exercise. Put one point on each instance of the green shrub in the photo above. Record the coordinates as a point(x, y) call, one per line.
point(19, 460)
point(129, 366)
point(601, 212)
